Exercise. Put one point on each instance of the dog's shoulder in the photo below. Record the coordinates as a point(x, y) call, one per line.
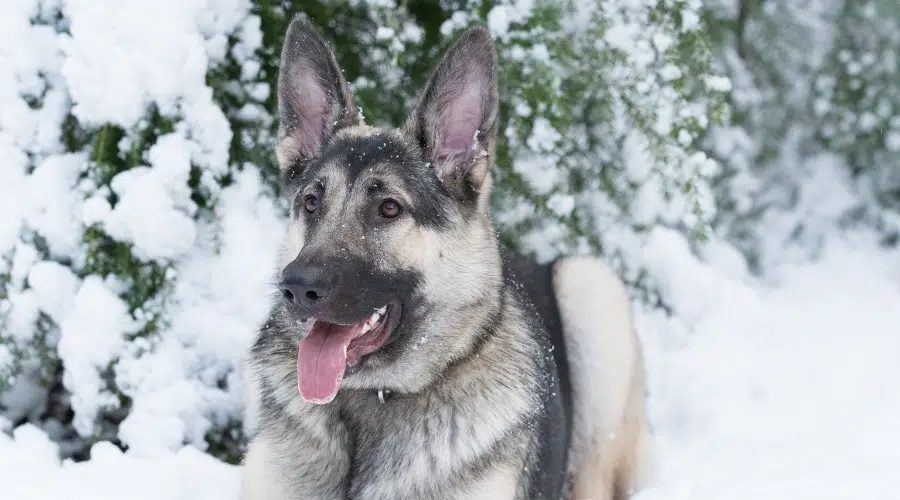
point(532, 282)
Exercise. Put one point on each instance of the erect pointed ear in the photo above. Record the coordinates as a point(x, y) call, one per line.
point(313, 98)
point(455, 120)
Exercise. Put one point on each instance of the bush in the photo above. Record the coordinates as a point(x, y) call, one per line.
point(811, 144)
point(856, 103)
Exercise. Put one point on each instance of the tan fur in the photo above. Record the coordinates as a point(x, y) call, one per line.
point(499, 484)
point(610, 443)
point(286, 149)
point(292, 244)
point(613, 466)
point(361, 130)
point(260, 479)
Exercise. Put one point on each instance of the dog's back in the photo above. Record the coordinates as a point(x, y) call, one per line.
point(598, 432)
point(610, 445)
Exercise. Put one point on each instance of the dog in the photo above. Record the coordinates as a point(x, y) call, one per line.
point(409, 355)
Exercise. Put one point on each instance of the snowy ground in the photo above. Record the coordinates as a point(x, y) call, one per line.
point(779, 391)
point(786, 392)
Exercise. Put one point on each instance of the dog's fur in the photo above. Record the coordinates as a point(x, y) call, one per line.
point(506, 379)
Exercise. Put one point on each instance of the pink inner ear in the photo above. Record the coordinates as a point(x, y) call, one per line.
point(311, 103)
point(461, 116)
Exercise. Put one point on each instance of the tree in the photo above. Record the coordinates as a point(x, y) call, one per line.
point(801, 125)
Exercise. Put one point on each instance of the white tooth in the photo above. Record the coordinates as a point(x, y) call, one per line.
point(374, 319)
point(366, 328)
point(382, 310)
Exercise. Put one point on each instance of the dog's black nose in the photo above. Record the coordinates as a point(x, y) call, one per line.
point(305, 284)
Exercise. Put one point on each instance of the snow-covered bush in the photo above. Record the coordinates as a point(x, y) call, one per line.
point(814, 106)
point(856, 101)
point(602, 104)
point(135, 236)
point(142, 217)
point(770, 50)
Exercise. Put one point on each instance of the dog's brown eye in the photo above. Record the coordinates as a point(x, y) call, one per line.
point(310, 203)
point(389, 209)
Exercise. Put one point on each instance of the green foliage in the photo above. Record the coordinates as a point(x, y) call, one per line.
point(810, 78)
point(856, 97)
point(144, 280)
point(227, 442)
point(770, 50)
point(37, 350)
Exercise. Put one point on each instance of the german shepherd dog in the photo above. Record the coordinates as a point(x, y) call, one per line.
point(408, 354)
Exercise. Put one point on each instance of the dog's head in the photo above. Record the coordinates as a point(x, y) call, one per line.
point(391, 253)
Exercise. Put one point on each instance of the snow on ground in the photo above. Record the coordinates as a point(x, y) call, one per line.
point(783, 391)
point(29, 469)
point(787, 392)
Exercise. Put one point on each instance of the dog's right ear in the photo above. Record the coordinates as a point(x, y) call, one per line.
point(314, 101)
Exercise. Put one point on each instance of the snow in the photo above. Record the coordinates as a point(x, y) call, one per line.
point(561, 204)
point(31, 471)
point(54, 286)
point(780, 392)
point(670, 72)
point(51, 202)
point(219, 301)
point(507, 13)
point(718, 83)
point(91, 335)
point(119, 61)
point(155, 209)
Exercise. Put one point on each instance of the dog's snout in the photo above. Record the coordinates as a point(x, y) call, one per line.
point(305, 285)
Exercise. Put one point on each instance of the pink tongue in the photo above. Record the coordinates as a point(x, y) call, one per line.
point(322, 359)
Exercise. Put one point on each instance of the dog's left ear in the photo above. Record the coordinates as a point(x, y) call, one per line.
point(455, 120)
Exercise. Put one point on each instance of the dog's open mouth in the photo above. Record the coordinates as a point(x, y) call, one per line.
point(325, 353)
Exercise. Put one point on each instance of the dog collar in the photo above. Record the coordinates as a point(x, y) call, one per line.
point(384, 395)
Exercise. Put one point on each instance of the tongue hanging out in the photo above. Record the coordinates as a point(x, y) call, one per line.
point(323, 355)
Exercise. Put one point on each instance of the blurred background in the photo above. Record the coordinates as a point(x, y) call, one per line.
point(738, 162)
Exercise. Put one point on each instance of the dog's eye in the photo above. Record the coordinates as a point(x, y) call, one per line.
point(310, 203)
point(390, 209)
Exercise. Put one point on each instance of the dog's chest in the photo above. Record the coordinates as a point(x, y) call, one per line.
point(428, 450)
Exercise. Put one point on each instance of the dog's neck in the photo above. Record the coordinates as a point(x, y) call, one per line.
point(498, 349)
